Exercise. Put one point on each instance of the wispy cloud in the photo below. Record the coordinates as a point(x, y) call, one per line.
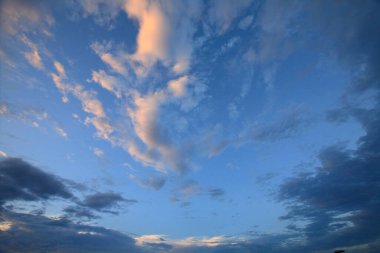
point(90, 103)
point(108, 82)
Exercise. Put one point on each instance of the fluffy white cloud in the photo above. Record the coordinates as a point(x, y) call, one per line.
point(165, 32)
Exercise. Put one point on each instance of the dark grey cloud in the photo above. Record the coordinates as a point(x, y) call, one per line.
point(35, 233)
point(216, 193)
point(340, 199)
point(20, 180)
point(79, 212)
point(103, 201)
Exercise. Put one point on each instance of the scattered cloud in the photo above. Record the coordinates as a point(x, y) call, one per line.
point(32, 116)
point(60, 131)
point(98, 152)
point(216, 193)
point(191, 188)
point(34, 59)
point(154, 182)
point(116, 63)
point(108, 82)
point(90, 103)
point(3, 154)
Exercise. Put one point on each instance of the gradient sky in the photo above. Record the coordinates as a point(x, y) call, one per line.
point(189, 126)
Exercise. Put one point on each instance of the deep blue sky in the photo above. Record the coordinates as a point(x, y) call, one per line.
point(189, 126)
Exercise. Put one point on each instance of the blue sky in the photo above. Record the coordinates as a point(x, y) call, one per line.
point(190, 126)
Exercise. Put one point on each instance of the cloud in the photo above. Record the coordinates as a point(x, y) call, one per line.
point(60, 69)
point(35, 233)
point(89, 102)
point(160, 151)
point(116, 63)
point(108, 82)
point(154, 182)
point(104, 201)
point(216, 193)
point(3, 154)
point(34, 59)
point(223, 12)
point(20, 16)
point(79, 213)
point(178, 86)
point(31, 116)
point(23, 181)
point(60, 131)
point(291, 122)
point(88, 99)
point(98, 152)
point(246, 22)
point(165, 32)
point(103, 11)
point(351, 208)
point(190, 188)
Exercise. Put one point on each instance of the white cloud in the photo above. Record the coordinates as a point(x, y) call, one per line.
point(5, 225)
point(165, 32)
point(211, 241)
point(88, 99)
point(61, 132)
point(102, 126)
point(34, 59)
point(178, 86)
point(98, 152)
point(116, 63)
point(106, 81)
point(59, 67)
point(3, 154)
point(3, 109)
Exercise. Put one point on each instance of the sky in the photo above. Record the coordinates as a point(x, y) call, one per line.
point(189, 126)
